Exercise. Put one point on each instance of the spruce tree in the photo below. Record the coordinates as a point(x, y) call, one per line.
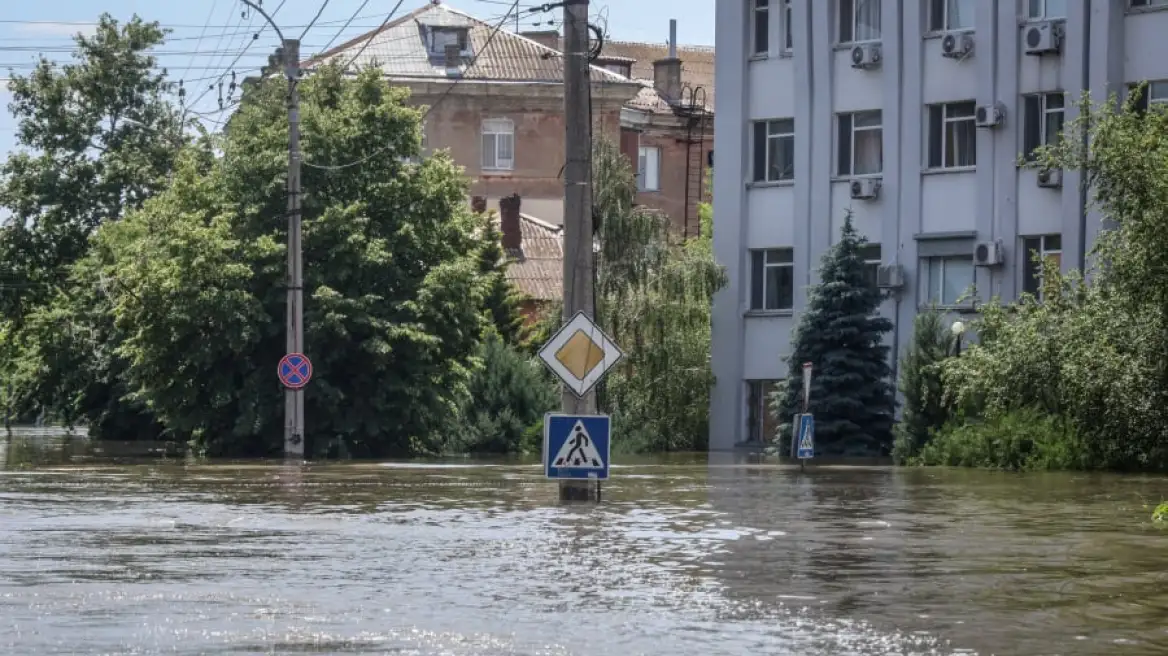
point(841, 334)
point(502, 298)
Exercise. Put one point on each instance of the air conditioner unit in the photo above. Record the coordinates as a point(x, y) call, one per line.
point(957, 46)
point(865, 188)
point(866, 56)
point(989, 116)
point(1042, 38)
point(987, 253)
point(889, 276)
point(1052, 178)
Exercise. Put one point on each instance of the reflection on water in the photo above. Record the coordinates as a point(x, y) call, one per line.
point(107, 553)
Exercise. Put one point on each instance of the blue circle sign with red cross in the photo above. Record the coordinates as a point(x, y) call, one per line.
point(295, 370)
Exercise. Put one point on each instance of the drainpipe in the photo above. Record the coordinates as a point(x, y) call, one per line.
point(1083, 192)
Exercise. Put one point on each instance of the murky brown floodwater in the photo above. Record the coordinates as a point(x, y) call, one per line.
point(687, 557)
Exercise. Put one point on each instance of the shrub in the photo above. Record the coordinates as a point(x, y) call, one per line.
point(1018, 440)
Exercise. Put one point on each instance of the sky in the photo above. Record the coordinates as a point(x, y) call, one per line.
point(208, 35)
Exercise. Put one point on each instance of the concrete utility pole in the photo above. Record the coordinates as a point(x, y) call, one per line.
point(294, 398)
point(578, 258)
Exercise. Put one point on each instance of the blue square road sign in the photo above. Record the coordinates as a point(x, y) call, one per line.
point(576, 446)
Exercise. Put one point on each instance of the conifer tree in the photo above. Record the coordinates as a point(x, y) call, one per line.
point(502, 298)
point(841, 334)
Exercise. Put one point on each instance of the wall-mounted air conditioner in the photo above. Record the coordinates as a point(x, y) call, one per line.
point(1050, 178)
point(866, 56)
point(1042, 38)
point(987, 253)
point(890, 276)
point(865, 188)
point(990, 116)
point(957, 46)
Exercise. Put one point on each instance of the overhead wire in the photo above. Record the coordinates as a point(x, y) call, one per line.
point(486, 45)
point(314, 19)
point(374, 33)
point(344, 27)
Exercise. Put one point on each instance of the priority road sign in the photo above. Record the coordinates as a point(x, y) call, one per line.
point(295, 370)
point(806, 436)
point(580, 354)
point(576, 446)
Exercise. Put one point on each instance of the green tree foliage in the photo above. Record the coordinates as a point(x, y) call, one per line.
point(95, 138)
point(653, 294)
point(924, 410)
point(502, 298)
point(841, 334)
point(394, 286)
point(507, 398)
point(1091, 355)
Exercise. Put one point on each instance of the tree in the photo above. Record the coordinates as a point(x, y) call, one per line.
point(921, 385)
point(506, 401)
point(654, 296)
point(502, 298)
point(394, 288)
point(841, 334)
point(97, 137)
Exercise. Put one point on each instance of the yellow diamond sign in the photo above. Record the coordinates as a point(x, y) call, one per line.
point(580, 354)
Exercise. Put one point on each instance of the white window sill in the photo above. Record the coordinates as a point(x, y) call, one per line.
point(787, 53)
point(1027, 22)
point(1144, 10)
point(648, 191)
point(504, 172)
point(755, 314)
point(761, 56)
point(848, 45)
point(960, 308)
point(764, 184)
point(949, 170)
point(859, 176)
point(941, 34)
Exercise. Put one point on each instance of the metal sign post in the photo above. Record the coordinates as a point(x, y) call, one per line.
point(803, 431)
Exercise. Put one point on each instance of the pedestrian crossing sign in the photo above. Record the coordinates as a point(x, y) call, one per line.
point(805, 436)
point(576, 446)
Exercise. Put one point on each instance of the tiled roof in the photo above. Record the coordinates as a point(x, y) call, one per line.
point(697, 63)
point(401, 51)
point(537, 267)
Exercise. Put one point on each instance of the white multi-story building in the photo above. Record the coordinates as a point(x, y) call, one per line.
point(913, 114)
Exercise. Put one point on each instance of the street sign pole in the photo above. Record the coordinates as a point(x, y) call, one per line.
point(798, 432)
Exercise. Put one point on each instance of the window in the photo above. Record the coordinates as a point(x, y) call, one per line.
point(870, 254)
point(952, 135)
point(1043, 9)
point(788, 19)
point(1048, 247)
point(498, 144)
point(1154, 93)
point(440, 37)
point(649, 169)
point(774, 150)
point(619, 69)
point(760, 421)
point(772, 279)
point(949, 278)
point(861, 143)
point(1149, 3)
point(951, 15)
point(761, 17)
point(1043, 119)
point(859, 20)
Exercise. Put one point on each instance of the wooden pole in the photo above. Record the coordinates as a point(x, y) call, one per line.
point(578, 260)
point(294, 398)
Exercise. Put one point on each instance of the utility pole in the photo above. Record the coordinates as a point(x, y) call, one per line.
point(294, 398)
point(578, 258)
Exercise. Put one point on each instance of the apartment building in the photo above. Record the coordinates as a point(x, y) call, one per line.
point(913, 115)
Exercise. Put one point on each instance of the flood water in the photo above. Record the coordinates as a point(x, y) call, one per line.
point(102, 555)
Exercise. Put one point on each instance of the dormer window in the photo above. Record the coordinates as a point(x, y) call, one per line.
point(620, 69)
point(440, 37)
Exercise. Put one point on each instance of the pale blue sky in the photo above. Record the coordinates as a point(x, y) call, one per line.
point(226, 33)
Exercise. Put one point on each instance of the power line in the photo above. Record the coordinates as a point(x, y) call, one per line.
point(200, 41)
point(475, 59)
point(314, 19)
point(344, 27)
point(374, 33)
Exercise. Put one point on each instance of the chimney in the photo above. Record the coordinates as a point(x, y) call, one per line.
point(509, 222)
point(478, 204)
point(546, 38)
point(667, 72)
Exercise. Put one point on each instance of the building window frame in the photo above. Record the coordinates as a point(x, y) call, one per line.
point(772, 279)
point(648, 168)
point(952, 137)
point(1147, 5)
point(1043, 120)
point(773, 150)
point(788, 20)
point(1038, 10)
point(1155, 92)
point(867, 129)
point(935, 285)
point(761, 424)
point(1046, 246)
point(498, 144)
point(440, 37)
point(851, 29)
point(760, 28)
point(942, 15)
point(870, 255)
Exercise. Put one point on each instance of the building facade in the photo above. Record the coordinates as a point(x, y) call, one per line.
point(912, 115)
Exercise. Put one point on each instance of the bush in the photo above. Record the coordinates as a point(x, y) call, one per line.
point(921, 384)
point(1018, 440)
